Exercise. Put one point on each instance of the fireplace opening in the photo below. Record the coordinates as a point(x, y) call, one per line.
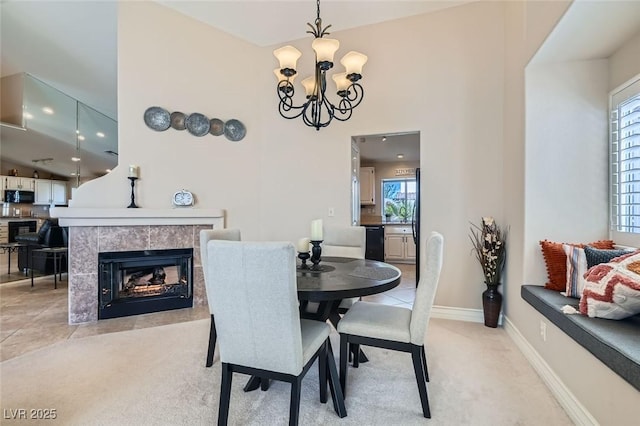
point(139, 282)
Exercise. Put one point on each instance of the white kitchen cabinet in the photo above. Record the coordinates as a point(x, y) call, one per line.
point(398, 244)
point(367, 186)
point(51, 191)
point(21, 183)
point(59, 192)
point(43, 192)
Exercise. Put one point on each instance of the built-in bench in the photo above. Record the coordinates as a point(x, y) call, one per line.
point(614, 342)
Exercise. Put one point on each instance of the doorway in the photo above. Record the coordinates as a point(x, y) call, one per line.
point(385, 191)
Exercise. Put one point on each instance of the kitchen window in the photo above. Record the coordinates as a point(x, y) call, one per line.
point(398, 199)
point(625, 158)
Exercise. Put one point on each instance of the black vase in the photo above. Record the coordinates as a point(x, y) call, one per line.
point(491, 304)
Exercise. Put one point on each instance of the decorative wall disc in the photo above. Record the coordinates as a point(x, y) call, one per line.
point(234, 130)
point(157, 118)
point(197, 124)
point(217, 127)
point(178, 120)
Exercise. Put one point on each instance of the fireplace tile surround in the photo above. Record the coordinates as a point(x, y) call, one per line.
point(92, 231)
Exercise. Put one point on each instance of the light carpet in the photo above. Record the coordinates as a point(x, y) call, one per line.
point(156, 376)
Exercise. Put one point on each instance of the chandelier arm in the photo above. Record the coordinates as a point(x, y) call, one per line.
point(357, 96)
point(285, 106)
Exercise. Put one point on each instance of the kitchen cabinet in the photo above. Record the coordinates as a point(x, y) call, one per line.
point(51, 191)
point(4, 232)
point(15, 182)
point(399, 245)
point(367, 186)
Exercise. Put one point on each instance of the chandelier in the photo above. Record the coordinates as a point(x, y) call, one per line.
point(318, 111)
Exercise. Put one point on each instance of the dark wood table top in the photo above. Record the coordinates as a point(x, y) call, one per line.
point(345, 278)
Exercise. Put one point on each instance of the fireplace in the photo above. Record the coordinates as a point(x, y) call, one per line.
point(144, 281)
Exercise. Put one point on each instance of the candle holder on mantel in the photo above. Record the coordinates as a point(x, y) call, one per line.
point(133, 195)
point(316, 251)
point(304, 255)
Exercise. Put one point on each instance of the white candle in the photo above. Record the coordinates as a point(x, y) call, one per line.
point(133, 171)
point(303, 245)
point(316, 230)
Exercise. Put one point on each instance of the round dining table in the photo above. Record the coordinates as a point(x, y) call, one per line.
point(335, 279)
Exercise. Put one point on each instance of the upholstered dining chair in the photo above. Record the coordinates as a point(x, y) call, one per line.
point(207, 235)
point(345, 241)
point(258, 322)
point(395, 327)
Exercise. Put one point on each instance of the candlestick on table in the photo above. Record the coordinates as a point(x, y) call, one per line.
point(316, 251)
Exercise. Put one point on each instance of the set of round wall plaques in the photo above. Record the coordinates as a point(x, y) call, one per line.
point(159, 119)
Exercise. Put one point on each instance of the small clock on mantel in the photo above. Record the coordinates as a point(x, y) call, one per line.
point(183, 198)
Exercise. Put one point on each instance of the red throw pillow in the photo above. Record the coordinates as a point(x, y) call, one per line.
point(555, 260)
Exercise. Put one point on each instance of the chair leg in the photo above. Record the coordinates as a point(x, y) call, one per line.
point(416, 356)
point(322, 372)
point(343, 363)
point(225, 394)
point(334, 384)
point(294, 408)
point(356, 355)
point(264, 384)
point(424, 365)
point(213, 336)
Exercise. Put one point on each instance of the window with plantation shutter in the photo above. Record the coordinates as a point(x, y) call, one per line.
point(625, 157)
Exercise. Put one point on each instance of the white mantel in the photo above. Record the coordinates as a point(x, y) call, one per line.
point(70, 216)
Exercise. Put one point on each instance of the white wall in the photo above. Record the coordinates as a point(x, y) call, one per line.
point(440, 74)
point(566, 157)
point(545, 180)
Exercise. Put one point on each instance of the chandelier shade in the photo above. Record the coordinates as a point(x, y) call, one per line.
point(318, 111)
point(288, 57)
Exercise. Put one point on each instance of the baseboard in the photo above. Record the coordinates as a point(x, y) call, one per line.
point(574, 409)
point(460, 314)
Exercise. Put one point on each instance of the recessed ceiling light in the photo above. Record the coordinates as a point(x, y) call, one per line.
point(77, 131)
point(80, 137)
point(384, 138)
point(28, 116)
point(76, 159)
point(47, 110)
point(400, 155)
point(100, 135)
point(73, 173)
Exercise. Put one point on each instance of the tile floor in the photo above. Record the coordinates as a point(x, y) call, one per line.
point(32, 318)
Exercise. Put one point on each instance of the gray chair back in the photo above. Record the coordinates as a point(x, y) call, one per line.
point(426, 291)
point(256, 304)
point(207, 235)
point(344, 241)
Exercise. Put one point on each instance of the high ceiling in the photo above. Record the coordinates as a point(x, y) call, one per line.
point(72, 45)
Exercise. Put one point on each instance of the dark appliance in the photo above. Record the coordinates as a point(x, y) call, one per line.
point(375, 242)
point(17, 227)
point(145, 281)
point(415, 225)
point(19, 196)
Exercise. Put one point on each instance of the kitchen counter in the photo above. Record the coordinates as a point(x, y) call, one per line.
point(379, 223)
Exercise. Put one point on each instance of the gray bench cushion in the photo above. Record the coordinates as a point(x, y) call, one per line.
point(614, 342)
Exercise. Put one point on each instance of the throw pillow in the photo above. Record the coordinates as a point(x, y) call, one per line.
point(555, 261)
point(596, 256)
point(612, 289)
point(576, 268)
